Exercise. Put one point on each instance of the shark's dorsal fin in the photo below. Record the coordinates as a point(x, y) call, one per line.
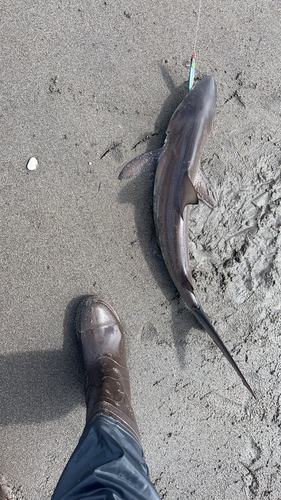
point(202, 188)
point(188, 194)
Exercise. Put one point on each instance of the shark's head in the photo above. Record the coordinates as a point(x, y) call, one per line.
point(200, 102)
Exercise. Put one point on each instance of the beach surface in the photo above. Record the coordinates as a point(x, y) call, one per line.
point(85, 87)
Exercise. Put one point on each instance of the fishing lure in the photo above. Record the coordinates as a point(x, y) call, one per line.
point(191, 72)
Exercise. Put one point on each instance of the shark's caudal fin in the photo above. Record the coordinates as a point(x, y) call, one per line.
point(144, 163)
point(204, 321)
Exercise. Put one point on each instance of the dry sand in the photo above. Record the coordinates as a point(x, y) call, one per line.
point(85, 87)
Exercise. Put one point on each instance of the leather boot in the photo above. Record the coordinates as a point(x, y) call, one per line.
point(107, 386)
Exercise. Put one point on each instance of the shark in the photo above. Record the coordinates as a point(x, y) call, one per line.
point(177, 185)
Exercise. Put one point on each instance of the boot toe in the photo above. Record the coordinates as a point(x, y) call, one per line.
point(99, 330)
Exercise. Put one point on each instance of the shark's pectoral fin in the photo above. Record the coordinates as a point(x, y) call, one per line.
point(188, 194)
point(203, 190)
point(145, 163)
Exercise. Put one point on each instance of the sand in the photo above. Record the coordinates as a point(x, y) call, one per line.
point(86, 87)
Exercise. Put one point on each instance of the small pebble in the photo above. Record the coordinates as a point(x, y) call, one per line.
point(89, 163)
point(32, 164)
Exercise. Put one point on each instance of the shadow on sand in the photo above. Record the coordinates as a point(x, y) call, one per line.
point(43, 385)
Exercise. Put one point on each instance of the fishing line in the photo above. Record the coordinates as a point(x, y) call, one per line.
point(192, 61)
point(197, 27)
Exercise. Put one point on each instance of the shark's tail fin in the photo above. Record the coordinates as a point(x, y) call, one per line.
point(204, 321)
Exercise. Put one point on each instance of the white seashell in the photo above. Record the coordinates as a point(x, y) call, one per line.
point(32, 164)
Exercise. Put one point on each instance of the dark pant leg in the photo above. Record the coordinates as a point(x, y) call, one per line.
point(107, 464)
